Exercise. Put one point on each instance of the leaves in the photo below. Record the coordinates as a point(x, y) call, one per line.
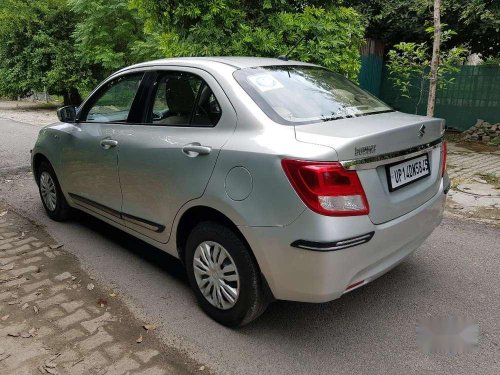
point(332, 35)
point(408, 66)
point(149, 327)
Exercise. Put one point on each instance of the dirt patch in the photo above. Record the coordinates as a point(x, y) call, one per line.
point(36, 113)
point(470, 145)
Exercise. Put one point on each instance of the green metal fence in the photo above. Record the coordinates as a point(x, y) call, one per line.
point(475, 94)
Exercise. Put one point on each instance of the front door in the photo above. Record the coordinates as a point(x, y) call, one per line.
point(90, 158)
point(168, 161)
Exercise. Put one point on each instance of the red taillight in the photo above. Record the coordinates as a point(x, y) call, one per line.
point(443, 158)
point(326, 187)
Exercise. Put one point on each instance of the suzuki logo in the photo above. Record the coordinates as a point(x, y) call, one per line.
point(421, 131)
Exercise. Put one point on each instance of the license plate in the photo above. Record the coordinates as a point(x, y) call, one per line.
point(408, 171)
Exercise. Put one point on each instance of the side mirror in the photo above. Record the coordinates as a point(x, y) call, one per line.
point(67, 113)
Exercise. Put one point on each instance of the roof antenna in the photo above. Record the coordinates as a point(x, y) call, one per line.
point(285, 57)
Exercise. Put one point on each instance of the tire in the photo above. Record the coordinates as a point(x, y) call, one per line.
point(251, 301)
point(60, 210)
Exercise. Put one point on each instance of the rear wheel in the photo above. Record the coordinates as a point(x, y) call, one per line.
point(224, 275)
point(50, 192)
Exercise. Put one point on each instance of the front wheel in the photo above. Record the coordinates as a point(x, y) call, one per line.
point(224, 275)
point(50, 192)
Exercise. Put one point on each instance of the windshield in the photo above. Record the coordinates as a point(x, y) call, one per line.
point(305, 94)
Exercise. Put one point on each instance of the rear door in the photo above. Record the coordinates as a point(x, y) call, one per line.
point(168, 160)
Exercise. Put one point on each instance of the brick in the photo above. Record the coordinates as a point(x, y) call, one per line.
point(68, 355)
point(44, 331)
point(32, 260)
point(37, 285)
point(101, 337)
point(115, 351)
point(91, 362)
point(94, 324)
point(72, 334)
point(16, 282)
point(63, 276)
point(20, 271)
point(18, 250)
point(54, 313)
point(5, 246)
point(58, 288)
point(39, 251)
point(146, 355)
point(5, 295)
point(6, 241)
point(54, 300)
point(123, 366)
point(30, 297)
point(4, 261)
point(71, 306)
point(25, 241)
point(73, 318)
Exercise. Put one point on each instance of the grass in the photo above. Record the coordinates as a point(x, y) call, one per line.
point(491, 179)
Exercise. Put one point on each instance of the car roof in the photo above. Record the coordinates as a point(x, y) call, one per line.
point(237, 62)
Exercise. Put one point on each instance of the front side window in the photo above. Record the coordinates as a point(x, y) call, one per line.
point(114, 101)
point(306, 94)
point(184, 100)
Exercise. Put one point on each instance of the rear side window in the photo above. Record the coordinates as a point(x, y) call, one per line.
point(181, 99)
point(114, 101)
point(306, 94)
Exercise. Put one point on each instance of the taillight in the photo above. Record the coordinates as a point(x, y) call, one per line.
point(327, 188)
point(443, 158)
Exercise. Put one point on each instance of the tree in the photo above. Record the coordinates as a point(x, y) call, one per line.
point(394, 21)
point(409, 66)
point(333, 34)
point(436, 44)
point(107, 35)
point(36, 51)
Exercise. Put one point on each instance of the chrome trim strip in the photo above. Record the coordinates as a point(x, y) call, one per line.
point(391, 157)
point(333, 246)
point(87, 203)
point(158, 228)
point(84, 202)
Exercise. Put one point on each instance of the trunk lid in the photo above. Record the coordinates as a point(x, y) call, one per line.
point(375, 135)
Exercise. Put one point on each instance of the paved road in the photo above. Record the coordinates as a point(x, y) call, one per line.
point(369, 331)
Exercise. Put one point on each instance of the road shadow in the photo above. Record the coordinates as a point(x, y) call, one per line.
point(152, 255)
point(365, 316)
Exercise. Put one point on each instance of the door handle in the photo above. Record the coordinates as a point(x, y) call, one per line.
point(108, 143)
point(194, 149)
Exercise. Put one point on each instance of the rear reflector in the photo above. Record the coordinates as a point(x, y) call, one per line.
point(326, 187)
point(355, 284)
point(443, 158)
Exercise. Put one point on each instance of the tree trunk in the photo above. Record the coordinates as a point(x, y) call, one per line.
point(72, 97)
point(431, 101)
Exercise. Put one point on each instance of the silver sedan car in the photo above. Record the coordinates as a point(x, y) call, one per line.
point(268, 179)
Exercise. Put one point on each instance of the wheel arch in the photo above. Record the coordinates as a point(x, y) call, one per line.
point(38, 158)
point(197, 214)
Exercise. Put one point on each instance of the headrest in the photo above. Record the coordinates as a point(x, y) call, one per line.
point(179, 96)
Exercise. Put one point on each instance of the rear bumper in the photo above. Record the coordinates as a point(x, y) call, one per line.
point(318, 276)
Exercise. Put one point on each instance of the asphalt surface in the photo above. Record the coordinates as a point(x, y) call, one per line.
point(368, 331)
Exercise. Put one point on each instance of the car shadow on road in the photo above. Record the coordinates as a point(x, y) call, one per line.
point(366, 314)
point(155, 257)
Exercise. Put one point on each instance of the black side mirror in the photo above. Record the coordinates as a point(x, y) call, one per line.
point(67, 113)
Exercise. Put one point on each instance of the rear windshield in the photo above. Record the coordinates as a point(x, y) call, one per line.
point(306, 94)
